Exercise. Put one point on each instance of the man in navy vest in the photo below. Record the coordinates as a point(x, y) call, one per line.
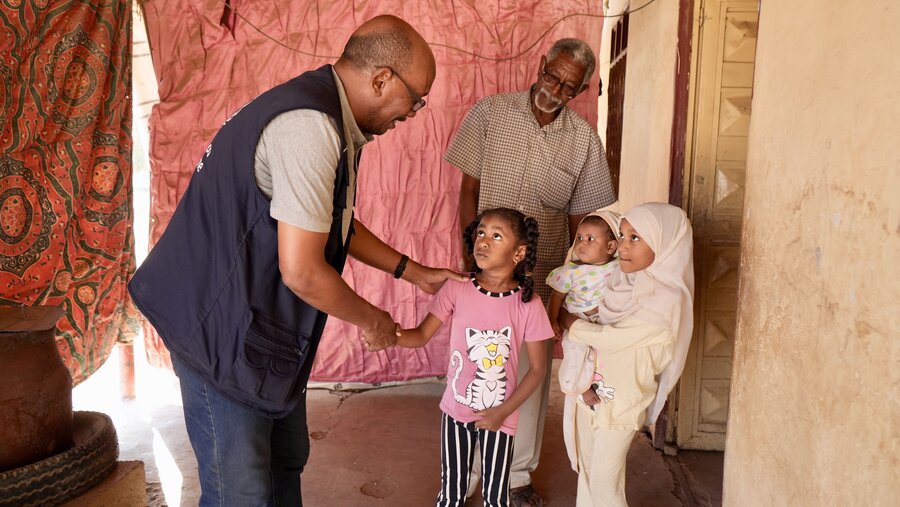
point(240, 284)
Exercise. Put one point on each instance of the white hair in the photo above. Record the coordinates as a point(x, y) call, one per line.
point(579, 51)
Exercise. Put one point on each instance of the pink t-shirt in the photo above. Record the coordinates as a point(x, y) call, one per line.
point(486, 334)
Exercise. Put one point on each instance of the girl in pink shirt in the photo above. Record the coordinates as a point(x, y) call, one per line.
point(490, 318)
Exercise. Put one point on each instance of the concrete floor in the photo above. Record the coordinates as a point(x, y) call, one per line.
point(372, 448)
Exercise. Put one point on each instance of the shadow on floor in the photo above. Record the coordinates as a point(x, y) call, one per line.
point(374, 448)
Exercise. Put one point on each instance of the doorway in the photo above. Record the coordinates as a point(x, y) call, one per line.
point(723, 59)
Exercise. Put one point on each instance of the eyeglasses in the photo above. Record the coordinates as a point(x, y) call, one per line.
point(418, 102)
point(552, 80)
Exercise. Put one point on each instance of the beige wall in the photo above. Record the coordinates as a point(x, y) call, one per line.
point(815, 416)
point(649, 99)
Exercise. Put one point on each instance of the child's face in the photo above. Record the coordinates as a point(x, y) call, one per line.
point(634, 253)
point(592, 243)
point(496, 246)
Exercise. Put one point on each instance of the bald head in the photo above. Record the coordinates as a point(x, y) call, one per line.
point(387, 69)
point(387, 41)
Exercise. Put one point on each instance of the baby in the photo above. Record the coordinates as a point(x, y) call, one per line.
point(579, 283)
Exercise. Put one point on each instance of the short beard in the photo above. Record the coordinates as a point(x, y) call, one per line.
point(550, 98)
point(368, 126)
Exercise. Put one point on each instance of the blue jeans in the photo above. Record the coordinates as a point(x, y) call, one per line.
point(244, 458)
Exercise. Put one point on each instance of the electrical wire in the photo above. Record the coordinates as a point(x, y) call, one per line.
point(446, 46)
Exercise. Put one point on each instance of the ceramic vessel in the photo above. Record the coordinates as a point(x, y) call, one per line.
point(35, 388)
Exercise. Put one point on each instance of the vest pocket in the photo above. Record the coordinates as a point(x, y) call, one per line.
point(272, 358)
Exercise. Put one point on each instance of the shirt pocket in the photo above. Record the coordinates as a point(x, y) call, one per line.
point(556, 189)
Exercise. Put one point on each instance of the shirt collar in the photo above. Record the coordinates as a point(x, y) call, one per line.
point(561, 122)
point(357, 138)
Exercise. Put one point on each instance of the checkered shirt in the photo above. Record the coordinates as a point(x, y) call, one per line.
point(546, 173)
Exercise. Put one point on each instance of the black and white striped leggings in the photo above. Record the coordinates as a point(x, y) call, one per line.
point(458, 451)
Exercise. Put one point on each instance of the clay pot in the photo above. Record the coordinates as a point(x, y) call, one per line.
point(36, 388)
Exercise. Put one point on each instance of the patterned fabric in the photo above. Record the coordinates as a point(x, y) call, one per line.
point(546, 173)
point(581, 283)
point(494, 294)
point(65, 170)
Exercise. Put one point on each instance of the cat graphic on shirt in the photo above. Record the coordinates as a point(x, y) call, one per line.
point(489, 350)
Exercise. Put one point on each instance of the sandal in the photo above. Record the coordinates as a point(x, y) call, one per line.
point(525, 496)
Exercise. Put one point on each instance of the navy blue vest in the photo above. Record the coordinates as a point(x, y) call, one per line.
point(211, 286)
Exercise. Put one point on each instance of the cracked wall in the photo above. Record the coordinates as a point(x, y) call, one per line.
point(814, 403)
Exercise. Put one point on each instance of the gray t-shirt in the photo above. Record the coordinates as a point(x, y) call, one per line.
point(296, 157)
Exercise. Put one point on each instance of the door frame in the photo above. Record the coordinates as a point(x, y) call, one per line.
point(682, 122)
point(682, 186)
point(681, 145)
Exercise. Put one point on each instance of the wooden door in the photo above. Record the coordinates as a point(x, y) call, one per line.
point(725, 49)
point(618, 49)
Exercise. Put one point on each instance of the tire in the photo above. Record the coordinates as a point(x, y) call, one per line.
point(68, 474)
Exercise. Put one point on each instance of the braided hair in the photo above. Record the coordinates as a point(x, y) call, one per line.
point(526, 232)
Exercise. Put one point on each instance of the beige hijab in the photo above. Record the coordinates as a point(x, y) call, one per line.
point(661, 294)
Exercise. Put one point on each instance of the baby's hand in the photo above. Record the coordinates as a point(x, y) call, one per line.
point(590, 397)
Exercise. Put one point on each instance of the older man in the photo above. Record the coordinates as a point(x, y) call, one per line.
point(241, 283)
point(528, 151)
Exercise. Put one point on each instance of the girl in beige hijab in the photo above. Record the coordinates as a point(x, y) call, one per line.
point(646, 322)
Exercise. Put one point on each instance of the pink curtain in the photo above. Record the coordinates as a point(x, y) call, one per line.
point(209, 62)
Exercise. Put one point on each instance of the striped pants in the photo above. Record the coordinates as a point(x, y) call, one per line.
point(457, 453)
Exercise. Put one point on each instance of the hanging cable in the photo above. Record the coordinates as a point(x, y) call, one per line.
point(447, 46)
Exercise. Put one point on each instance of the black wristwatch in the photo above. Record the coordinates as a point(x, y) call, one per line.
point(401, 266)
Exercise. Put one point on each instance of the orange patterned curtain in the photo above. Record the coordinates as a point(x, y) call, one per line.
point(65, 169)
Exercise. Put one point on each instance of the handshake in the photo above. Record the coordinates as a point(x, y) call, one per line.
point(383, 333)
point(379, 329)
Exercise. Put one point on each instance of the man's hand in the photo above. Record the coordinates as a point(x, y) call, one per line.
point(429, 279)
point(367, 248)
point(382, 333)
